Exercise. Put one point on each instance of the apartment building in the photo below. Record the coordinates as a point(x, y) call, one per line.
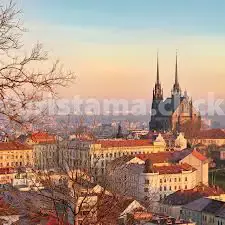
point(15, 154)
point(157, 175)
point(95, 155)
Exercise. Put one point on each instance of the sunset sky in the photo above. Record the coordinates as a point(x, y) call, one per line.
point(111, 45)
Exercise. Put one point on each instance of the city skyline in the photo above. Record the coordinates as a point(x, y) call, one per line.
point(115, 44)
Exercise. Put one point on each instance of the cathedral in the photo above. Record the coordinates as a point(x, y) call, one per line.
point(175, 113)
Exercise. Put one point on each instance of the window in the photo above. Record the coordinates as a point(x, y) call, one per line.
point(185, 178)
point(164, 180)
point(160, 188)
point(179, 179)
point(175, 188)
point(164, 188)
point(170, 188)
point(146, 181)
point(185, 186)
point(160, 180)
point(175, 179)
point(145, 189)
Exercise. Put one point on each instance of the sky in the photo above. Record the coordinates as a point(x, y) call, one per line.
point(111, 45)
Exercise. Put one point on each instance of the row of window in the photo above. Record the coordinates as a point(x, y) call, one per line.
point(117, 154)
point(13, 164)
point(165, 188)
point(173, 180)
point(14, 157)
point(165, 180)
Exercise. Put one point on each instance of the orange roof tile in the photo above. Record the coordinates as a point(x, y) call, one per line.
point(13, 146)
point(211, 134)
point(159, 157)
point(42, 137)
point(198, 155)
point(7, 170)
point(173, 169)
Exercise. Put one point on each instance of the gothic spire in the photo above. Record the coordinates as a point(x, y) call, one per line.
point(157, 92)
point(157, 72)
point(176, 74)
point(176, 86)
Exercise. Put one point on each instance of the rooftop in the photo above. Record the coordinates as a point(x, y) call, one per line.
point(173, 156)
point(183, 197)
point(173, 169)
point(198, 204)
point(159, 157)
point(42, 137)
point(211, 134)
point(13, 146)
point(214, 207)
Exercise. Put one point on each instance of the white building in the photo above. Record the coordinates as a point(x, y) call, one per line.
point(155, 176)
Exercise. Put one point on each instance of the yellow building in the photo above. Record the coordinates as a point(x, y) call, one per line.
point(96, 155)
point(15, 154)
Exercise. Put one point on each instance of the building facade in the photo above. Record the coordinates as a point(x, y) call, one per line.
point(157, 175)
point(15, 154)
point(95, 155)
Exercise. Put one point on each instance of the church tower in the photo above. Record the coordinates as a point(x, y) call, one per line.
point(176, 91)
point(157, 90)
point(157, 98)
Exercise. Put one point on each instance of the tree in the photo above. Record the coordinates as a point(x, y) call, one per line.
point(23, 81)
point(191, 130)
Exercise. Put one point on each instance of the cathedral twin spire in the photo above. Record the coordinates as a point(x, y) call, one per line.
point(158, 91)
point(176, 86)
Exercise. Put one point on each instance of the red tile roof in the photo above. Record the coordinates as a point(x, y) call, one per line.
point(173, 169)
point(159, 157)
point(42, 137)
point(198, 155)
point(123, 143)
point(7, 171)
point(211, 134)
point(162, 157)
point(13, 146)
point(182, 197)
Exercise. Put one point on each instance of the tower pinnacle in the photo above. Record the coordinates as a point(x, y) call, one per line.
point(157, 72)
point(176, 86)
point(158, 95)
